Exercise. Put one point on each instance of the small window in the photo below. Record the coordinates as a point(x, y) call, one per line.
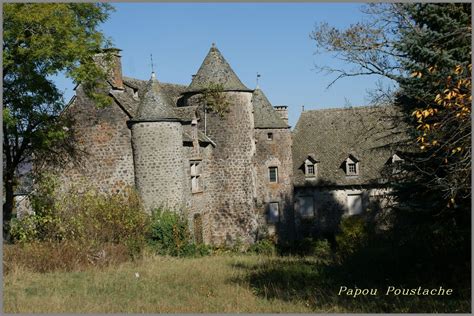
point(354, 204)
point(270, 136)
point(273, 212)
point(273, 174)
point(306, 206)
point(310, 167)
point(351, 167)
point(195, 176)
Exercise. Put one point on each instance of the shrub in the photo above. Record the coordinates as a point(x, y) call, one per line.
point(86, 217)
point(319, 248)
point(169, 235)
point(263, 247)
point(353, 235)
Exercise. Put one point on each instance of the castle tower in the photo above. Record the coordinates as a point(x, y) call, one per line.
point(157, 138)
point(232, 180)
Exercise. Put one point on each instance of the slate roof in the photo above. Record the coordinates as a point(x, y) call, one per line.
point(130, 103)
point(368, 133)
point(215, 69)
point(155, 105)
point(264, 114)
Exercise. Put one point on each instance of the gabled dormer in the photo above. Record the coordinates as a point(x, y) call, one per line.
point(396, 161)
point(310, 167)
point(351, 166)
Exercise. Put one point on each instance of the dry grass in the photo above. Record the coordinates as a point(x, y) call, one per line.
point(64, 256)
point(164, 285)
point(221, 283)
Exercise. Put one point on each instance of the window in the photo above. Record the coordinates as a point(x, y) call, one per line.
point(273, 174)
point(273, 212)
point(354, 204)
point(352, 166)
point(306, 205)
point(310, 167)
point(270, 136)
point(195, 176)
point(310, 170)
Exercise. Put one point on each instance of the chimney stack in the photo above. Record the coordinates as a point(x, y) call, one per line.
point(112, 65)
point(282, 110)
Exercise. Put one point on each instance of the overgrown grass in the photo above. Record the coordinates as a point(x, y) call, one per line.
point(224, 283)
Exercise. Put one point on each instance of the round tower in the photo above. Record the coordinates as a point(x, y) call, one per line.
point(232, 181)
point(157, 138)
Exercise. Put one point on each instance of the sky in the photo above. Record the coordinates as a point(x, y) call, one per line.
point(272, 39)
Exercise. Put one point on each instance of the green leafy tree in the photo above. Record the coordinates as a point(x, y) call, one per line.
point(39, 42)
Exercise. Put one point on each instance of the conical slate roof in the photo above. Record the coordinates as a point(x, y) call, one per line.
point(215, 69)
point(264, 114)
point(155, 104)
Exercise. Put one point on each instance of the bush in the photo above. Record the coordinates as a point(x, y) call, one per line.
point(263, 247)
point(353, 236)
point(169, 235)
point(88, 218)
point(319, 248)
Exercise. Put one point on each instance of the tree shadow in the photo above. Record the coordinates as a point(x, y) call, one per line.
point(386, 258)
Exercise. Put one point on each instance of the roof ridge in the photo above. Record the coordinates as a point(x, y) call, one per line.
point(357, 107)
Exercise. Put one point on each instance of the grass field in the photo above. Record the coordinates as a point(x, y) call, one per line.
point(224, 283)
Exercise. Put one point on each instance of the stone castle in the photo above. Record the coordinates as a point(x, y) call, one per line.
point(237, 173)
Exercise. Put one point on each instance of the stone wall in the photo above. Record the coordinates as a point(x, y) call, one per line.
point(231, 183)
point(330, 206)
point(159, 167)
point(197, 203)
point(103, 157)
point(275, 152)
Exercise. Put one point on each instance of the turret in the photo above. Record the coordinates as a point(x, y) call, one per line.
point(157, 138)
point(231, 182)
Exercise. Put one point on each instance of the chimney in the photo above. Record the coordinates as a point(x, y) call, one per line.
point(112, 65)
point(282, 110)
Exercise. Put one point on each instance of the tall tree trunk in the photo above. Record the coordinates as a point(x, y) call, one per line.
point(8, 204)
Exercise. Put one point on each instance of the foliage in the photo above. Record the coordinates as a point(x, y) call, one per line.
point(320, 249)
point(353, 236)
point(169, 235)
point(214, 99)
point(87, 218)
point(41, 40)
point(263, 247)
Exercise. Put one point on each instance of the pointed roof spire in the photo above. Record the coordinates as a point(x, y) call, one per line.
point(155, 105)
point(215, 69)
point(264, 114)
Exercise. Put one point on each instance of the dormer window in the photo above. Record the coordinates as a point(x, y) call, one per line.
point(352, 166)
point(396, 161)
point(310, 167)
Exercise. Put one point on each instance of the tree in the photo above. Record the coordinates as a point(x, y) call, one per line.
point(426, 50)
point(40, 41)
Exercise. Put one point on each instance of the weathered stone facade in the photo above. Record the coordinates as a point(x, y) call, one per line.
point(238, 175)
point(157, 138)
